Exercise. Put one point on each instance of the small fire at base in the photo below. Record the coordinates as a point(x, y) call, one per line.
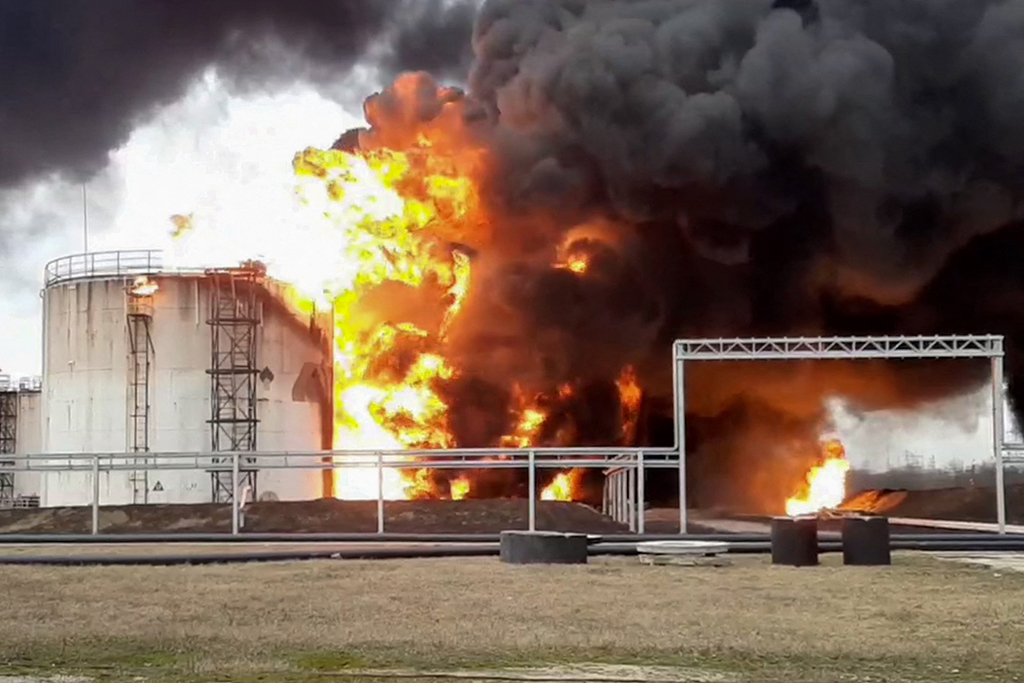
point(825, 487)
point(562, 487)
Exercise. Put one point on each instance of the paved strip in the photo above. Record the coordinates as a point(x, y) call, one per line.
point(987, 527)
point(1013, 562)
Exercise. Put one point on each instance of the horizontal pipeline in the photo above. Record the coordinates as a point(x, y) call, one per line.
point(321, 466)
point(225, 538)
point(481, 550)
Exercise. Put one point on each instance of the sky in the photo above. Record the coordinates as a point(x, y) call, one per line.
point(223, 157)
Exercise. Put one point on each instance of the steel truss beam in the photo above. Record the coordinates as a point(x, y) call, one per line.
point(840, 348)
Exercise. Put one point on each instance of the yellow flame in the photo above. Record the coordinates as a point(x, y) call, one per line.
point(561, 488)
point(183, 224)
point(143, 286)
point(459, 488)
point(390, 208)
point(825, 486)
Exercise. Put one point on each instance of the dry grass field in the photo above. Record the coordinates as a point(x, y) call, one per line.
point(920, 620)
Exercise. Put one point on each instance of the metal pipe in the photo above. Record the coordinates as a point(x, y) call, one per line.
point(623, 497)
point(532, 490)
point(96, 495)
point(680, 421)
point(481, 550)
point(85, 218)
point(234, 494)
point(630, 500)
point(86, 465)
point(363, 458)
point(997, 440)
point(1007, 540)
point(641, 493)
point(236, 558)
point(380, 493)
point(617, 495)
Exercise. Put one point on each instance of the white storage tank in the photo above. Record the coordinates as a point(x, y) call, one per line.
point(137, 358)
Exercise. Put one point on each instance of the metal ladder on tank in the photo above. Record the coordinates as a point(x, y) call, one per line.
point(234, 318)
point(140, 341)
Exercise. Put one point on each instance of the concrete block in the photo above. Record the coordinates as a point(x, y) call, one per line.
point(795, 541)
point(866, 541)
point(543, 547)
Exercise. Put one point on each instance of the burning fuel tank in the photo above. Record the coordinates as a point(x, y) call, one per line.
point(139, 359)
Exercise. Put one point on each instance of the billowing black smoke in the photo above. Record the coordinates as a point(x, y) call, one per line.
point(839, 167)
point(77, 75)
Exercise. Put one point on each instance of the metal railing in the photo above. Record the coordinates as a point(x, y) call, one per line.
point(634, 460)
point(99, 264)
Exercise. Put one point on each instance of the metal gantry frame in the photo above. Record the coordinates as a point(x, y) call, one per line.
point(843, 348)
point(234, 318)
point(8, 445)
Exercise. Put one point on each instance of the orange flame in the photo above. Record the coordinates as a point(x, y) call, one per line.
point(630, 396)
point(143, 286)
point(825, 486)
point(395, 286)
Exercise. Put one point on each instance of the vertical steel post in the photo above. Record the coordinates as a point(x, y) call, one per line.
point(630, 510)
point(380, 492)
point(997, 439)
point(533, 490)
point(679, 382)
point(641, 493)
point(95, 494)
point(623, 497)
point(613, 495)
point(234, 493)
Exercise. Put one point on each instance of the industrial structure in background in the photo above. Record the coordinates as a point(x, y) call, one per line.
point(19, 435)
point(142, 360)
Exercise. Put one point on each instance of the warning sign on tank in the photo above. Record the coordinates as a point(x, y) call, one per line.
point(158, 487)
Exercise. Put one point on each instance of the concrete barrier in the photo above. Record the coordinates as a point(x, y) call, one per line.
point(866, 541)
point(543, 547)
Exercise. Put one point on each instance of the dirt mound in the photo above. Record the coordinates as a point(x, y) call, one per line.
point(319, 516)
point(976, 504)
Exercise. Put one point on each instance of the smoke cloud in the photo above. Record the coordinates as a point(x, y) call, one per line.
point(79, 75)
point(796, 167)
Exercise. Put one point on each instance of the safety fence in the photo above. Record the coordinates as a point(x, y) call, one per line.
point(623, 503)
